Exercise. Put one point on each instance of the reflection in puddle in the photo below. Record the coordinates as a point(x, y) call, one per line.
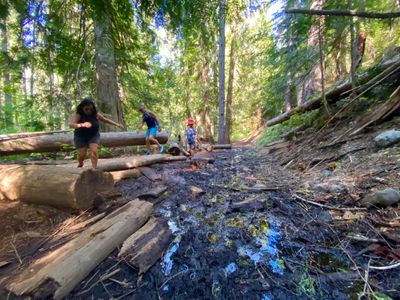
point(166, 263)
point(231, 268)
point(266, 240)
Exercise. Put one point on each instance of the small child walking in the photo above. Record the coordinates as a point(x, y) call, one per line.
point(191, 136)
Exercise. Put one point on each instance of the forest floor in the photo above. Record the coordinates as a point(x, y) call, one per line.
point(249, 234)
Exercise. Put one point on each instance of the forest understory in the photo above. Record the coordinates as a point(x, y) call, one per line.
point(282, 221)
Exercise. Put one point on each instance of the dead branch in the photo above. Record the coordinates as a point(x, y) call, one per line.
point(344, 13)
point(328, 206)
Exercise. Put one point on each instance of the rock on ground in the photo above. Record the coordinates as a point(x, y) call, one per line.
point(387, 138)
point(383, 198)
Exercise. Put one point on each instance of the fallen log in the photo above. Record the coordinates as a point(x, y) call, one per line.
point(131, 173)
point(222, 146)
point(64, 142)
point(143, 248)
point(150, 174)
point(65, 188)
point(56, 274)
point(339, 91)
point(13, 136)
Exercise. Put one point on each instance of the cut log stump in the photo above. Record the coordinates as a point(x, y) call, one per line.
point(56, 274)
point(65, 188)
point(143, 248)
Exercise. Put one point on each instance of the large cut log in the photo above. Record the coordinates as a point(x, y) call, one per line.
point(143, 248)
point(64, 142)
point(66, 188)
point(56, 274)
point(366, 80)
point(13, 136)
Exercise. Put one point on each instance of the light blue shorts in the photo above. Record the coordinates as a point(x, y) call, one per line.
point(151, 131)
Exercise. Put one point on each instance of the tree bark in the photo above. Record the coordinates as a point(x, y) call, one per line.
point(8, 115)
point(321, 63)
point(360, 48)
point(312, 81)
point(143, 248)
point(205, 115)
point(64, 142)
point(65, 188)
point(109, 102)
point(221, 71)
point(344, 13)
point(56, 274)
point(229, 96)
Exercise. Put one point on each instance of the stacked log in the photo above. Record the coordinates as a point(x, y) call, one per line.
point(64, 142)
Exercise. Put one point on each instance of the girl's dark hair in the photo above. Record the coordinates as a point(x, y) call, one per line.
point(84, 102)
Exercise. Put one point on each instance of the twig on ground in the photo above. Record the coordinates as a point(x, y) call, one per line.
point(328, 206)
point(356, 266)
point(16, 253)
point(385, 267)
point(175, 275)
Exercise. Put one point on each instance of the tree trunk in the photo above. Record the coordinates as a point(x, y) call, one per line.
point(64, 142)
point(206, 120)
point(288, 94)
point(229, 96)
point(221, 71)
point(360, 48)
point(8, 115)
point(65, 188)
point(109, 102)
point(312, 82)
point(321, 63)
point(56, 274)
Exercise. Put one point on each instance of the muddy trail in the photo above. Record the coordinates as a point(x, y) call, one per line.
point(240, 234)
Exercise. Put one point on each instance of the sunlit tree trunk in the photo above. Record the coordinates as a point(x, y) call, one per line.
point(229, 95)
point(109, 102)
point(221, 71)
point(8, 114)
point(288, 94)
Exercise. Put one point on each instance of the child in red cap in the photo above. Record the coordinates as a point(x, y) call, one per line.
point(191, 136)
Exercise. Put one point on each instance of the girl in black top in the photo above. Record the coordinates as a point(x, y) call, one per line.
point(86, 134)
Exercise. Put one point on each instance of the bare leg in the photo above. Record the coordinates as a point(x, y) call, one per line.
point(94, 155)
point(153, 140)
point(81, 156)
point(148, 144)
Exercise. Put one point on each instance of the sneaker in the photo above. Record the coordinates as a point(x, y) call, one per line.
point(161, 149)
point(147, 153)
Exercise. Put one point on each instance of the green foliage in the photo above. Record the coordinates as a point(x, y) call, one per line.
point(312, 118)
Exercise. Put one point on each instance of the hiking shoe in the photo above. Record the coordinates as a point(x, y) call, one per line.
point(161, 149)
